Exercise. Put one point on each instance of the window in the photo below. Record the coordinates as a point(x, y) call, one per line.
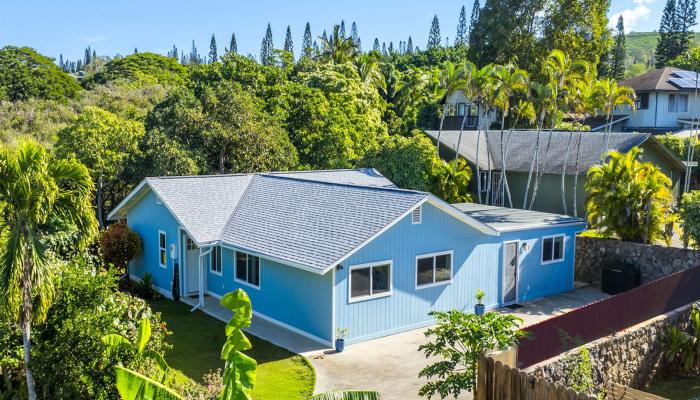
point(552, 249)
point(433, 269)
point(677, 103)
point(370, 280)
point(248, 269)
point(162, 252)
point(215, 260)
point(190, 245)
point(461, 108)
point(497, 190)
point(416, 215)
point(642, 101)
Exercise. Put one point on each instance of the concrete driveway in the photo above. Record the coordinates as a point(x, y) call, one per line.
point(391, 364)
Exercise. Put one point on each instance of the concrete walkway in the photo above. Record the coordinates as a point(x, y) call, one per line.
point(390, 364)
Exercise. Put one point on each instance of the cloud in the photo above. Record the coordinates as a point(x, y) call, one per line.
point(632, 16)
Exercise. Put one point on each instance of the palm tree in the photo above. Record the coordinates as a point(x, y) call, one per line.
point(628, 198)
point(508, 81)
point(485, 99)
point(338, 49)
point(37, 190)
point(448, 79)
point(469, 86)
point(610, 96)
point(543, 99)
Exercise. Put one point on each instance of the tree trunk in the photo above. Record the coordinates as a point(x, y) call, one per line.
point(478, 142)
point(26, 321)
point(442, 121)
point(532, 163)
point(500, 188)
point(563, 173)
point(100, 202)
point(221, 160)
point(578, 153)
point(459, 139)
point(538, 178)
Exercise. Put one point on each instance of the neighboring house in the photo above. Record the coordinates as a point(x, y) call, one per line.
point(322, 250)
point(458, 105)
point(521, 146)
point(666, 102)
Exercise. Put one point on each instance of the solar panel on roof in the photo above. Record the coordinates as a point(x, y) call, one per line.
point(685, 74)
point(685, 83)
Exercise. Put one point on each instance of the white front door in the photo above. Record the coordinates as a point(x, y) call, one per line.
point(510, 272)
point(191, 267)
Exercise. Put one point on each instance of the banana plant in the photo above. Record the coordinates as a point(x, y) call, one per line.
point(240, 370)
point(348, 395)
point(133, 386)
point(116, 342)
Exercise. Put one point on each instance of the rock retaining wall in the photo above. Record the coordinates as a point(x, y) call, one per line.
point(631, 358)
point(592, 254)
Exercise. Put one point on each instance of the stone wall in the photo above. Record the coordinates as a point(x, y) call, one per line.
point(631, 358)
point(592, 254)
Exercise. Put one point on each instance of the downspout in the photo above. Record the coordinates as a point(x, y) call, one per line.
point(200, 303)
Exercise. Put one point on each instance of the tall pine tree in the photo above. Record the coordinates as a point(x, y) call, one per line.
point(384, 52)
point(341, 31)
point(461, 37)
point(267, 55)
point(288, 43)
point(687, 16)
point(60, 62)
point(474, 18)
point(173, 53)
point(375, 46)
point(306, 44)
point(88, 56)
point(409, 46)
point(353, 33)
point(194, 55)
point(233, 46)
point(434, 38)
point(618, 52)
point(668, 46)
point(213, 54)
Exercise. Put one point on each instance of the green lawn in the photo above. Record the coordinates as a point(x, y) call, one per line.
point(676, 389)
point(197, 339)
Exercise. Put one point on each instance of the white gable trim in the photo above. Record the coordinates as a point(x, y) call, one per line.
point(127, 199)
point(439, 204)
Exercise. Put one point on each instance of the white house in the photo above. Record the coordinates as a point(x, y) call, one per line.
point(458, 105)
point(666, 102)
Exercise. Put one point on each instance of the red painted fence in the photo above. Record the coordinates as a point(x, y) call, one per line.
point(556, 335)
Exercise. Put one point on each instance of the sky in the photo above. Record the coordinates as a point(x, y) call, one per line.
point(118, 26)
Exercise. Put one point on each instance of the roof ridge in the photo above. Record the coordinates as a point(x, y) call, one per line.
point(368, 187)
point(310, 171)
point(233, 212)
point(201, 176)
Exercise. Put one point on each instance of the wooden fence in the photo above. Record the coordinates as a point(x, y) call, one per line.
point(496, 381)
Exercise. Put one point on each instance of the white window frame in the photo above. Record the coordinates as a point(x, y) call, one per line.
point(563, 249)
point(370, 266)
point(420, 215)
point(235, 270)
point(163, 249)
point(434, 255)
point(216, 251)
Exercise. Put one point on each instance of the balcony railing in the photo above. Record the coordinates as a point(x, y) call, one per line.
point(452, 122)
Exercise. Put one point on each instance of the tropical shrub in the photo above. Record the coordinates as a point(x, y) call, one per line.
point(457, 340)
point(629, 199)
point(450, 180)
point(580, 371)
point(681, 348)
point(690, 215)
point(119, 244)
point(87, 306)
point(24, 74)
point(407, 162)
point(240, 370)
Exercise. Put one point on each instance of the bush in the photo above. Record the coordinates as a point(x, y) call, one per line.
point(690, 215)
point(144, 289)
point(69, 358)
point(119, 244)
point(450, 180)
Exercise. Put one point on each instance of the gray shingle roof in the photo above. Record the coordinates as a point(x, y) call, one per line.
point(312, 223)
point(359, 176)
point(522, 144)
point(657, 79)
point(505, 219)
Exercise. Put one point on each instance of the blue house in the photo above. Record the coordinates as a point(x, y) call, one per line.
point(321, 250)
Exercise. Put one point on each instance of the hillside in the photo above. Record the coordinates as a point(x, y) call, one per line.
point(640, 49)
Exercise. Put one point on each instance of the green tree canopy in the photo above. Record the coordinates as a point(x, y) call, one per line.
point(24, 74)
point(142, 69)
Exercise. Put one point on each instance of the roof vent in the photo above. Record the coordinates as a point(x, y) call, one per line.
point(416, 215)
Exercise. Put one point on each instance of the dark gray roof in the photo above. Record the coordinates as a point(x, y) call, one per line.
point(658, 79)
point(507, 219)
point(521, 146)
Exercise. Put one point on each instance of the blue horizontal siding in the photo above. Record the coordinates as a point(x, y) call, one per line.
point(287, 294)
point(146, 218)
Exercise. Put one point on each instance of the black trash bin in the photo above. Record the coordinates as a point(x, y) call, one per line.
point(618, 278)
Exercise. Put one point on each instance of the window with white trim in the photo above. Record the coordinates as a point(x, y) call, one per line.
point(248, 269)
point(370, 280)
point(417, 215)
point(552, 249)
point(215, 260)
point(162, 252)
point(433, 269)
